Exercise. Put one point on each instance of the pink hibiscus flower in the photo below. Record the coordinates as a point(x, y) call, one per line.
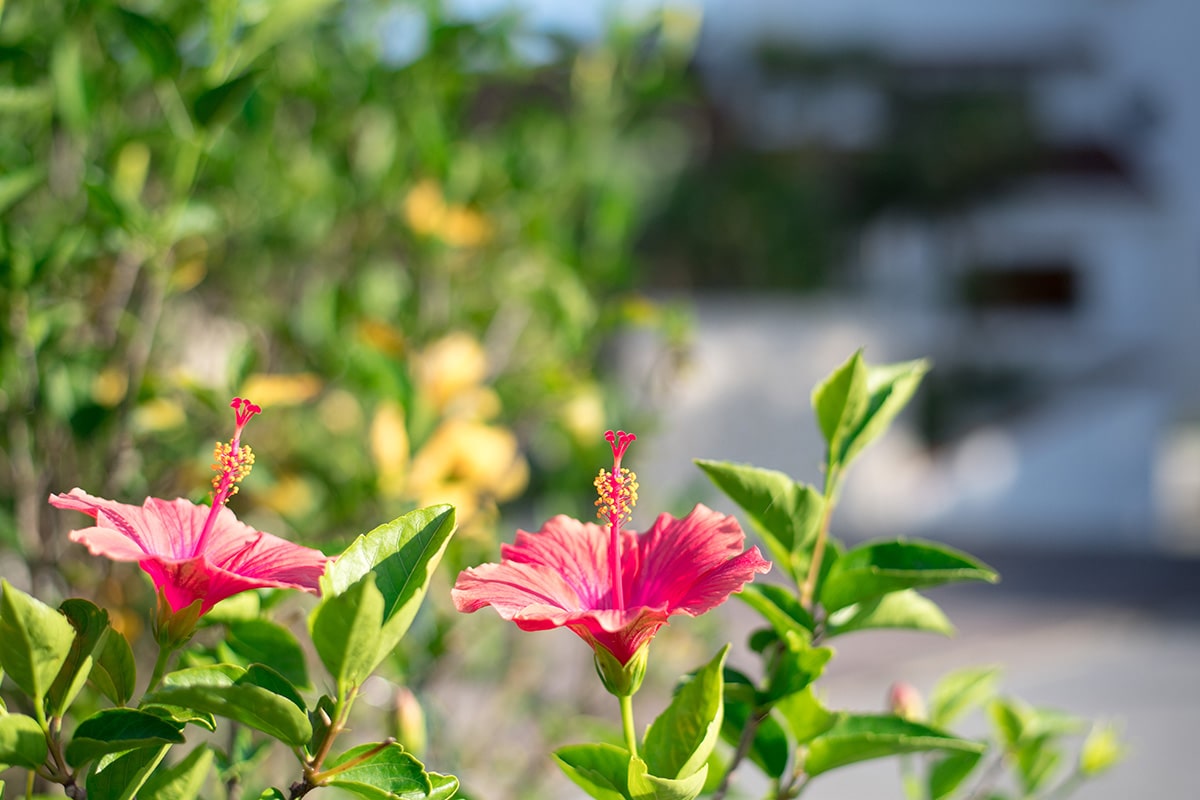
point(195, 552)
point(613, 588)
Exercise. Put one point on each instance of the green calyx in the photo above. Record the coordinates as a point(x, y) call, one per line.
point(621, 680)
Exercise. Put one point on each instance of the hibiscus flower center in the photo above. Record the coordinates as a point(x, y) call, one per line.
point(232, 461)
point(617, 492)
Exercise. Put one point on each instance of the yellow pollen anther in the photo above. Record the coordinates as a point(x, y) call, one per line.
point(231, 467)
point(616, 497)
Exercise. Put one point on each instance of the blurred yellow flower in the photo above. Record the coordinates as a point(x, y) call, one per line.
point(158, 414)
point(427, 213)
point(390, 449)
point(381, 336)
point(583, 415)
point(290, 495)
point(483, 459)
point(270, 390)
point(109, 386)
point(450, 367)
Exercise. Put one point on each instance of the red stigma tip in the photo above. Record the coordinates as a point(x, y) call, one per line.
point(244, 410)
point(620, 442)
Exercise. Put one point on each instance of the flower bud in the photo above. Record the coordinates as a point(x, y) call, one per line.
point(173, 628)
point(906, 702)
point(621, 680)
point(410, 722)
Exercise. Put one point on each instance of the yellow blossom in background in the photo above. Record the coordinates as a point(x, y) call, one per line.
point(109, 386)
point(381, 336)
point(390, 449)
point(583, 415)
point(270, 390)
point(158, 414)
point(449, 367)
point(290, 495)
point(427, 213)
point(469, 463)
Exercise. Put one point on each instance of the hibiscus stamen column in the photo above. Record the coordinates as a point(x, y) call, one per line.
point(618, 495)
point(232, 463)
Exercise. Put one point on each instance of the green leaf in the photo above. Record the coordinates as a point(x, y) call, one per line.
point(779, 607)
point(91, 631)
point(961, 691)
point(153, 40)
point(181, 715)
point(890, 387)
point(444, 787)
point(229, 691)
point(1101, 750)
point(840, 403)
point(901, 609)
point(241, 606)
point(678, 743)
point(877, 568)
point(265, 642)
point(793, 667)
point(601, 770)
point(22, 742)
point(219, 104)
point(385, 775)
point(947, 773)
point(119, 776)
point(116, 730)
point(272, 794)
point(804, 715)
point(854, 738)
point(785, 514)
point(16, 185)
point(181, 781)
point(35, 641)
point(345, 631)
point(114, 672)
point(70, 89)
point(403, 555)
point(645, 786)
point(1037, 762)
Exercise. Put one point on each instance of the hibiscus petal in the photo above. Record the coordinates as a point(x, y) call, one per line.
point(109, 543)
point(576, 551)
point(515, 589)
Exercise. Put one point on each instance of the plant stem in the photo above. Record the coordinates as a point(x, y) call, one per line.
point(743, 749)
point(627, 724)
point(160, 667)
point(814, 568)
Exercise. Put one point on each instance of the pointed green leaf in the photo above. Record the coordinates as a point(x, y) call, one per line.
point(119, 776)
point(22, 742)
point(779, 607)
point(1101, 750)
point(403, 555)
point(889, 388)
point(785, 514)
point(264, 642)
point(114, 672)
point(601, 770)
point(1037, 763)
point(35, 641)
point(903, 609)
point(959, 692)
point(793, 667)
point(877, 568)
point(218, 105)
point(805, 716)
point(345, 631)
point(91, 631)
point(70, 87)
point(854, 738)
point(181, 781)
point(840, 401)
point(153, 40)
point(272, 794)
point(115, 730)
point(645, 786)
point(229, 691)
point(948, 772)
point(678, 742)
point(269, 679)
point(387, 774)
